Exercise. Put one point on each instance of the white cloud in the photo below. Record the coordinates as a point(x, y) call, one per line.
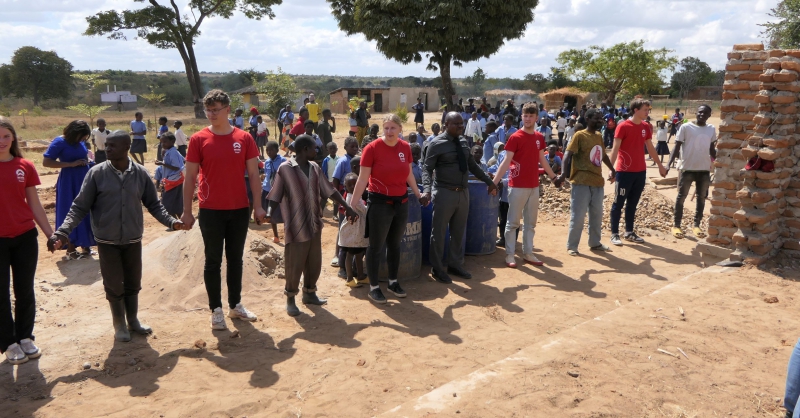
point(304, 38)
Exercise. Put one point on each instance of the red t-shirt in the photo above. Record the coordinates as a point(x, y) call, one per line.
point(390, 167)
point(299, 128)
point(524, 168)
point(222, 160)
point(631, 151)
point(16, 176)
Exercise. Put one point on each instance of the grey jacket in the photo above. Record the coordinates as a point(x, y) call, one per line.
point(116, 204)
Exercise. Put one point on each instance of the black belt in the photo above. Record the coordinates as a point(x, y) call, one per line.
point(454, 189)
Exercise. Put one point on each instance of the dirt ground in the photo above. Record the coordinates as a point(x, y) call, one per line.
point(501, 344)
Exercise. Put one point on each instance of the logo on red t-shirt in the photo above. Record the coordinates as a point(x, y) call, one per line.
point(237, 147)
point(644, 133)
point(20, 175)
point(402, 157)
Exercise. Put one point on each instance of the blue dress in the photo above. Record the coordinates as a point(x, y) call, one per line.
point(68, 185)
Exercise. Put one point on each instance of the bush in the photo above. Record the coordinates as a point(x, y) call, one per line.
point(402, 112)
point(37, 111)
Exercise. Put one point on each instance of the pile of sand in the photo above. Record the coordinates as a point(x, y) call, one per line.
point(654, 212)
point(172, 277)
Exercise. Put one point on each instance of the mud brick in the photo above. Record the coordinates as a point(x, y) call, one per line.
point(748, 47)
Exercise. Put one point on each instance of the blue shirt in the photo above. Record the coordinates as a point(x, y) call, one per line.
point(557, 159)
point(159, 175)
point(175, 159)
point(138, 126)
point(237, 121)
point(254, 121)
point(417, 175)
point(325, 165)
point(270, 168)
point(503, 134)
point(342, 168)
point(493, 169)
point(543, 114)
point(161, 131)
point(287, 117)
point(488, 147)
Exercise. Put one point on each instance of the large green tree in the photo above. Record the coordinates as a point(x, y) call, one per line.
point(784, 33)
point(692, 72)
point(37, 74)
point(165, 26)
point(623, 67)
point(446, 32)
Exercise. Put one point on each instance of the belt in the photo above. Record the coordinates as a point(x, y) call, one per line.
point(454, 189)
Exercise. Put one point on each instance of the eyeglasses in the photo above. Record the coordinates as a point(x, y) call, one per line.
point(215, 111)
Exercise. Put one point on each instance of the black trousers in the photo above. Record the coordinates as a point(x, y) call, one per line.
point(223, 229)
point(121, 268)
point(387, 224)
point(701, 180)
point(18, 257)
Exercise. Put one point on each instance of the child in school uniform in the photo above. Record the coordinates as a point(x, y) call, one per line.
point(343, 167)
point(569, 133)
point(271, 164)
point(172, 182)
point(351, 235)
point(416, 154)
point(262, 135)
point(139, 144)
point(328, 167)
point(99, 135)
point(298, 187)
point(162, 129)
point(662, 136)
point(477, 155)
point(180, 138)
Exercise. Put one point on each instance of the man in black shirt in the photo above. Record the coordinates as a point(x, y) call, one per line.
point(448, 156)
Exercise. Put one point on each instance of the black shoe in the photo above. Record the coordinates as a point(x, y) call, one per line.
point(396, 290)
point(131, 312)
point(313, 299)
point(291, 307)
point(342, 273)
point(501, 243)
point(441, 277)
point(377, 296)
point(458, 271)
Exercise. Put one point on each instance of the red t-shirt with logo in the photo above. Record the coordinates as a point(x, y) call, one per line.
point(630, 158)
point(523, 171)
point(222, 160)
point(390, 167)
point(16, 176)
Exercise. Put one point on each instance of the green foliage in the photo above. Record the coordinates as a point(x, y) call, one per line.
point(622, 67)
point(446, 32)
point(785, 32)
point(89, 111)
point(476, 81)
point(37, 74)
point(237, 102)
point(22, 113)
point(38, 111)
point(692, 72)
point(163, 26)
point(275, 91)
point(401, 112)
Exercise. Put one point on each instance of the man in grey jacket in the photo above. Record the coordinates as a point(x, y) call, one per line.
point(114, 192)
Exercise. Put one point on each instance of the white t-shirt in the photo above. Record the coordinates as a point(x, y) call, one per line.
point(99, 138)
point(561, 124)
point(180, 138)
point(661, 135)
point(696, 141)
point(352, 235)
point(262, 128)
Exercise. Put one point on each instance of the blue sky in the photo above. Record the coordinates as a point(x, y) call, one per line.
point(304, 38)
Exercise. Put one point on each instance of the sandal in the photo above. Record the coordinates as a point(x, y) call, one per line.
point(698, 232)
point(74, 255)
point(677, 233)
point(276, 240)
point(353, 283)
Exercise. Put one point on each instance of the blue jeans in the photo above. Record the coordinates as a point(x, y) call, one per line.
point(585, 199)
point(629, 189)
point(793, 382)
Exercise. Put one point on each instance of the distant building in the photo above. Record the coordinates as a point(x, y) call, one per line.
point(119, 100)
point(706, 93)
point(385, 99)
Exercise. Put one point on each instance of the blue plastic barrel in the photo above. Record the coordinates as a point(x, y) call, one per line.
point(410, 245)
point(482, 220)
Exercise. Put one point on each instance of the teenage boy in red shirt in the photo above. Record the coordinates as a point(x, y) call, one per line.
point(630, 140)
point(220, 154)
point(524, 153)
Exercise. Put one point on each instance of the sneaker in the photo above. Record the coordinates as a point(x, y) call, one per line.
point(240, 312)
point(377, 296)
point(335, 262)
point(531, 259)
point(616, 240)
point(572, 252)
point(30, 349)
point(218, 319)
point(15, 355)
point(601, 247)
point(632, 237)
point(510, 262)
point(395, 289)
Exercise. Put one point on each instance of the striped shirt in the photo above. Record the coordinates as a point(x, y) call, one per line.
point(300, 199)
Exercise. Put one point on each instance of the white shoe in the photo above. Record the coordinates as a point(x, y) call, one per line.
point(240, 312)
point(218, 319)
point(335, 262)
point(510, 262)
point(531, 259)
point(30, 349)
point(15, 355)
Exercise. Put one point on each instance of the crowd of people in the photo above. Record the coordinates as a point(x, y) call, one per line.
point(512, 150)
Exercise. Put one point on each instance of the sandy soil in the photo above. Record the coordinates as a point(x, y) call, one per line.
point(602, 316)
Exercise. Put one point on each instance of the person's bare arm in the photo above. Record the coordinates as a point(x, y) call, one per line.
point(189, 183)
point(32, 197)
point(501, 171)
point(545, 165)
point(50, 163)
point(651, 149)
point(675, 152)
point(255, 187)
point(363, 179)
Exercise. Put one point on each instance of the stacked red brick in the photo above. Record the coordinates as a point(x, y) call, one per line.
point(758, 212)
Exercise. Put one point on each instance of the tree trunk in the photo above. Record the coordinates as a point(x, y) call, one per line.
point(196, 83)
point(447, 82)
point(610, 97)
